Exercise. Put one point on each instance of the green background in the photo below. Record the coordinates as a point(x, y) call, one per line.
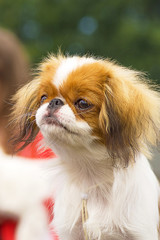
point(128, 31)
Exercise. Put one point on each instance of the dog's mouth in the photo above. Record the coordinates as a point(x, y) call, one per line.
point(53, 121)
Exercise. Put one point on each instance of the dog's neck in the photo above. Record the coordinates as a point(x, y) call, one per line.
point(86, 167)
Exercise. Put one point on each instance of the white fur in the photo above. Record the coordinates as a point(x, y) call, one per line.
point(122, 202)
point(67, 66)
point(23, 190)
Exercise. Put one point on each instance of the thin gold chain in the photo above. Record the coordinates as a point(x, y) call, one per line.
point(84, 210)
point(85, 216)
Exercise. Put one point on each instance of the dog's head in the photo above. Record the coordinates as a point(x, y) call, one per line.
point(78, 101)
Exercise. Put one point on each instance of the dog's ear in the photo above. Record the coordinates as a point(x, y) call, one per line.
point(26, 102)
point(22, 120)
point(130, 114)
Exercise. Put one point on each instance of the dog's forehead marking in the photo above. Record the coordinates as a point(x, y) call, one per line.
point(67, 66)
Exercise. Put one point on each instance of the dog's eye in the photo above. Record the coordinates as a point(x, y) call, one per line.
point(82, 104)
point(43, 98)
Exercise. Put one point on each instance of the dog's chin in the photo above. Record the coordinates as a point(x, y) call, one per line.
point(54, 122)
point(51, 127)
point(57, 134)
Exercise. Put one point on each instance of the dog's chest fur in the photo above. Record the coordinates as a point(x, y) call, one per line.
point(68, 218)
point(116, 207)
point(103, 215)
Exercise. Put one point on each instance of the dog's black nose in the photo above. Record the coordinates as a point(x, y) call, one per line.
point(55, 103)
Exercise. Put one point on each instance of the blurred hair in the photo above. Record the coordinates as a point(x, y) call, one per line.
point(13, 74)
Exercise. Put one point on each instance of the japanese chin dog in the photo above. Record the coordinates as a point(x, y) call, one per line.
point(100, 119)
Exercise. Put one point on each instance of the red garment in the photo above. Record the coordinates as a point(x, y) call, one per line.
point(8, 227)
point(7, 230)
point(33, 150)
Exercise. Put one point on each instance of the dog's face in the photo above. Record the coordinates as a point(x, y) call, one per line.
point(79, 101)
point(71, 102)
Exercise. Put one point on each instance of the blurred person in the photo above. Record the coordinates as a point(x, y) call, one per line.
point(13, 74)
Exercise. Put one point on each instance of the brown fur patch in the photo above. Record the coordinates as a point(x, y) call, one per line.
point(86, 82)
point(130, 115)
point(27, 101)
point(23, 115)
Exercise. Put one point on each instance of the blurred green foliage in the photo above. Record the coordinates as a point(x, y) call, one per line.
point(128, 31)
